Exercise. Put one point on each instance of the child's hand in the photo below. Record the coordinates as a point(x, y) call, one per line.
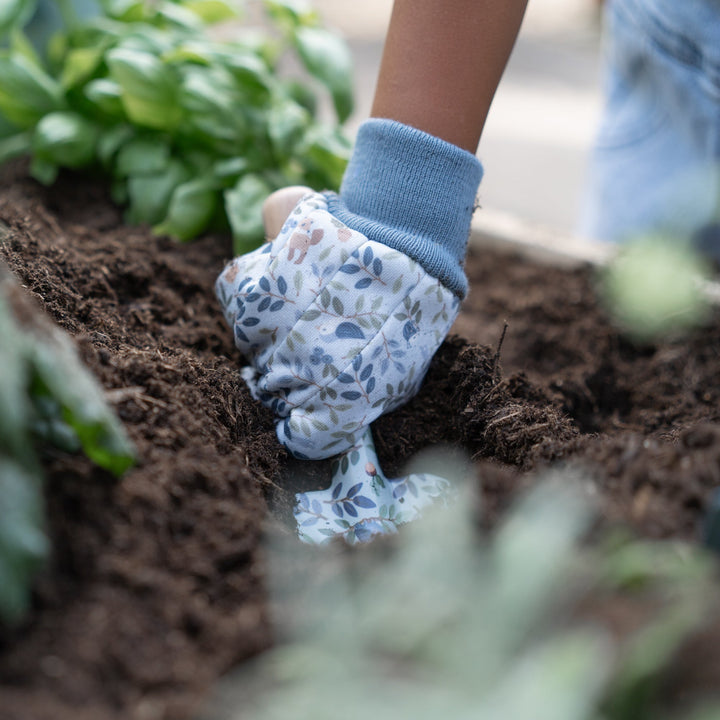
point(337, 329)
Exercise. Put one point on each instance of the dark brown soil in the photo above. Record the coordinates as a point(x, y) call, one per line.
point(157, 586)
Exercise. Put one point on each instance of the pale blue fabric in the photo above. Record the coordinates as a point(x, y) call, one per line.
point(337, 329)
point(656, 166)
point(414, 193)
point(362, 502)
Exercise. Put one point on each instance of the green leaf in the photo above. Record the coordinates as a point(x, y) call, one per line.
point(66, 139)
point(211, 11)
point(193, 51)
point(191, 208)
point(21, 45)
point(26, 92)
point(291, 14)
point(302, 95)
point(559, 680)
point(45, 392)
point(23, 545)
point(106, 95)
point(48, 427)
point(149, 88)
point(80, 64)
point(14, 406)
point(230, 168)
point(150, 195)
point(142, 38)
point(14, 146)
point(44, 172)
point(653, 286)
point(286, 123)
point(111, 140)
point(207, 95)
point(142, 156)
point(179, 15)
point(58, 373)
point(15, 13)
point(73, 11)
point(125, 10)
point(326, 152)
point(200, 162)
point(7, 129)
point(327, 57)
point(243, 205)
point(251, 74)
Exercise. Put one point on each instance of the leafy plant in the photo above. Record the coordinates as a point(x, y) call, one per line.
point(449, 625)
point(193, 132)
point(47, 397)
point(655, 286)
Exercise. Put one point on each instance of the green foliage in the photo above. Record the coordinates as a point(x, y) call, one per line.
point(676, 581)
point(193, 132)
point(47, 398)
point(654, 286)
point(450, 625)
point(23, 545)
point(15, 13)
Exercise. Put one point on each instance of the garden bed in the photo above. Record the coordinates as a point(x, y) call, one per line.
point(156, 586)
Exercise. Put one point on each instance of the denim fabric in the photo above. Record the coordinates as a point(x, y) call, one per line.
point(656, 165)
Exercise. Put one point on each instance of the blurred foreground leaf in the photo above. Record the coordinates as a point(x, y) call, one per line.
point(23, 545)
point(654, 286)
point(444, 623)
point(47, 397)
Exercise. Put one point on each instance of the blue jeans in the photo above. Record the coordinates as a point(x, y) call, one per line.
point(656, 164)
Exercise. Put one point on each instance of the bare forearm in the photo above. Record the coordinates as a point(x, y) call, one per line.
point(442, 63)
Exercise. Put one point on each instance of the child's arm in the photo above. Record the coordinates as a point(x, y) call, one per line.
point(339, 316)
point(442, 63)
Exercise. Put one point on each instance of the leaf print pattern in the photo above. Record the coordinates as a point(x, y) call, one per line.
point(361, 502)
point(337, 329)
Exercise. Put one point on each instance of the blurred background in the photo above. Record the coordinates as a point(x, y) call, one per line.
point(537, 139)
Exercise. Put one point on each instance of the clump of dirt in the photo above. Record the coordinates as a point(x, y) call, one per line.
point(636, 411)
point(156, 582)
point(157, 586)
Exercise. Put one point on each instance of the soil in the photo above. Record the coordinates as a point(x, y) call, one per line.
point(157, 583)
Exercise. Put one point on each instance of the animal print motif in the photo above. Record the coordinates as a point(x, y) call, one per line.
point(337, 329)
point(302, 239)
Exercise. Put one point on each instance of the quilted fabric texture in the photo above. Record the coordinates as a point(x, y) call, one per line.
point(337, 329)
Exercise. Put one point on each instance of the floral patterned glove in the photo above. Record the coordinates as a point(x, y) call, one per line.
point(337, 328)
point(340, 313)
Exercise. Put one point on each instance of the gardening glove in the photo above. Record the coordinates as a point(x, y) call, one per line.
point(338, 328)
point(341, 313)
point(361, 501)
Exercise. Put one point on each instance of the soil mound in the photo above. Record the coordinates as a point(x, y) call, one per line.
point(156, 586)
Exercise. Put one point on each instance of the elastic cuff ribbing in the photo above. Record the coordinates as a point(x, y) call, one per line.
point(413, 192)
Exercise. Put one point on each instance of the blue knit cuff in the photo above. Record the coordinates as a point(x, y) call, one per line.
point(412, 192)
